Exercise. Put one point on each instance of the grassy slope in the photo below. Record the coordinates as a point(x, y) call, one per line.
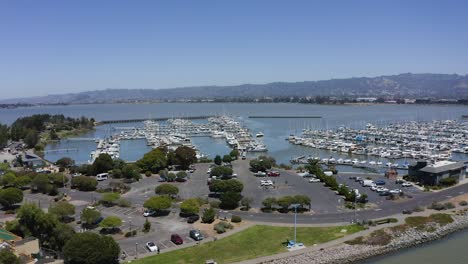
point(251, 243)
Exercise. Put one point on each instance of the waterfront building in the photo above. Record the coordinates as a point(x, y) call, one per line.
point(428, 173)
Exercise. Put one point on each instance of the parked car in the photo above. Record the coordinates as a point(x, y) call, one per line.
point(99, 220)
point(176, 239)
point(314, 180)
point(352, 177)
point(266, 183)
point(196, 235)
point(395, 191)
point(260, 174)
point(380, 182)
point(386, 193)
point(151, 246)
point(406, 184)
point(273, 174)
point(147, 213)
point(192, 219)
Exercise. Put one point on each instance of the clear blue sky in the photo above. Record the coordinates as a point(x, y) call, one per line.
point(49, 47)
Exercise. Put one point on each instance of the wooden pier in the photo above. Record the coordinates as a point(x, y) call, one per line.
point(285, 117)
point(152, 119)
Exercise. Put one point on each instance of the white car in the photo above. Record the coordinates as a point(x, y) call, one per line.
point(314, 180)
point(149, 213)
point(151, 246)
point(396, 191)
point(266, 183)
point(374, 187)
point(381, 189)
point(406, 184)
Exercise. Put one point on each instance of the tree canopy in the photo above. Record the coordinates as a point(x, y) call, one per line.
point(153, 161)
point(62, 210)
point(190, 206)
point(103, 163)
point(91, 248)
point(158, 203)
point(90, 216)
point(111, 222)
point(185, 156)
point(220, 186)
point(166, 189)
point(10, 196)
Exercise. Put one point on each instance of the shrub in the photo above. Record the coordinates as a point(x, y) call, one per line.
point(148, 173)
point(449, 205)
point(463, 203)
point(437, 206)
point(84, 183)
point(222, 226)
point(448, 182)
point(208, 216)
point(236, 219)
point(215, 204)
point(124, 203)
point(418, 209)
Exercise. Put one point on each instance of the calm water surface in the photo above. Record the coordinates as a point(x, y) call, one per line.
point(450, 250)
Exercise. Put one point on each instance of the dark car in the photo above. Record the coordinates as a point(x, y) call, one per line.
point(176, 239)
point(196, 235)
point(379, 182)
point(273, 174)
point(99, 220)
point(192, 219)
point(384, 193)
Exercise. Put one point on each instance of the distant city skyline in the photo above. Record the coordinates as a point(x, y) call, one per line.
point(56, 47)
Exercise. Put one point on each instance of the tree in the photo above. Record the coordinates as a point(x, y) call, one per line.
point(190, 207)
point(10, 196)
point(103, 163)
point(230, 200)
point(227, 158)
point(4, 135)
point(109, 199)
point(146, 226)
point(60, 235)
point(40, 183)
point(158, 203)
point(91, 248)
point(116, 173)
point(84, 183)
point(58, 179)
point(269, 202)
point(22, 181)
point(112, 222)
point(171, 177)
point(221, 171)
point(7, 257)
point(90, 216)
point(65, 162)
point(8, 179)
point(131, 172)
point(32, 138)
point(34, 222)
point(262, 163)
point(153, 161)
point(185, 156)
point(234, 154)
point(63, 210)
point(208, 216)
point(284, 202)
point(166, 189)
point(302, 200)
point(246, 202)
point(217, 160)
point(181, 175)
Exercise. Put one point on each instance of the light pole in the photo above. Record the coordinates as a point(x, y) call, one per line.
point(295, 220)
point(136, 250)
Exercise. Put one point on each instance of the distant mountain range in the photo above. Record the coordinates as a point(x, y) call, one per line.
point(450, 86)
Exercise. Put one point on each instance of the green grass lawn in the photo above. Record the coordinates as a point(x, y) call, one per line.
point(254, 242)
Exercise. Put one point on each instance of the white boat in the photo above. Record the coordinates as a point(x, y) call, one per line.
point(259, 134)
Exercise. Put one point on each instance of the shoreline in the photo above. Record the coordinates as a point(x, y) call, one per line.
point(348, 254)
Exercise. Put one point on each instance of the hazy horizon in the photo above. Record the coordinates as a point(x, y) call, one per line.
point(51, 47)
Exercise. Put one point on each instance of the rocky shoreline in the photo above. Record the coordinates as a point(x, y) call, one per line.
point(346, 254)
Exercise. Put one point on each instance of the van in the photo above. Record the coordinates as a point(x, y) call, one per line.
point(328, 173)
point(102, 176)
point(367, 183)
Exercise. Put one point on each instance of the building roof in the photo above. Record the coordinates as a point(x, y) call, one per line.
point(442, 166)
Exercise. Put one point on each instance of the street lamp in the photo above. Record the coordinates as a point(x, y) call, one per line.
point(136, 250)
point(295, 206)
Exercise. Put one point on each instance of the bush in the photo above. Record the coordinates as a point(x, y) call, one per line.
point(236, 219)
point(124, 203)
point(449, 205)
point(215, 204)
point(84, 183)
point(463, 203)
point(131, 233)
point(222, 226)
point(148, 173)
point(208, 216)
point(418, 209)
point(448, 182)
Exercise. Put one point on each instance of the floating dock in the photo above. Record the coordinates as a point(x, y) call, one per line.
point(152, 119)
point(285, 117)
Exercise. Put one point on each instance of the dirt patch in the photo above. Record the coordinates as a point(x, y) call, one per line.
point(458, 199)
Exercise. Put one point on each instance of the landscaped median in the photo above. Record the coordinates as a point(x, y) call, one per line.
point(254, 242)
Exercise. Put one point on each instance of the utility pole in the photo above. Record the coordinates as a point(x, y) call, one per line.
point(136, 250)
point(295, 221)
